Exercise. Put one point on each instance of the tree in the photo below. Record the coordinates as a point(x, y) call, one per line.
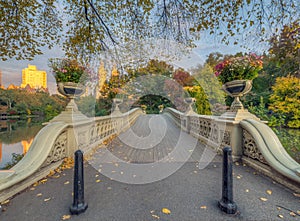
point(183, 78)
point(285, 51)
point(285, 100)
point(202, 103)
point(86, 27)
point(26, 27)
point(208, 81)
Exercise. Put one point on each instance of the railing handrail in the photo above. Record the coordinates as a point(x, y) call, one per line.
point(36, 155)
point(272, 149)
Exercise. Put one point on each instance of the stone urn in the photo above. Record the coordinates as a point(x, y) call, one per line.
point(71, 114)
point(237, 89)
point(70, 89)
point(190, 102)
point(117, 102)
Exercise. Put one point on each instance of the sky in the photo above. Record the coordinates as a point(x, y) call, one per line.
point(12, 69)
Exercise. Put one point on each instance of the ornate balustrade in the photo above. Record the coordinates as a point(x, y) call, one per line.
point(251, 140)
point(58, 140)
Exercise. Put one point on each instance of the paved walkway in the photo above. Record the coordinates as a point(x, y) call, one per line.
point(129, 193)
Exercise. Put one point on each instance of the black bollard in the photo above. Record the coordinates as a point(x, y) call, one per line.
point(79, 206)
point(226, 204)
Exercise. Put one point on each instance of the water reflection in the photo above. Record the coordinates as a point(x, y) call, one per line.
point(16, 136)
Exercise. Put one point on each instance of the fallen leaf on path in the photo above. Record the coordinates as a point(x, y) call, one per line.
point(238, 177)
point(65, 217)
point(152, 211)
point(280, 216)
point(32, 188)
point(292, 214)
point(155, 216)
point(297, 194)
point(67, 182)
point(5, 202)
point(51, 173)
point(98, 181)
point(166, 211)
point(39, 194)
point(263, 199)
point(269, 192)
point(96, 175)
point(298, 211)
point(45, 200)
point(203, 207)
point(43, 181)
point(247, 191)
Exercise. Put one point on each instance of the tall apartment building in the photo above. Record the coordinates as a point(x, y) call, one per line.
point(33, 77)
point(1, 79)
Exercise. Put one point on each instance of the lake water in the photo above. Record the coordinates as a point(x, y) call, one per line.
point(16, 137)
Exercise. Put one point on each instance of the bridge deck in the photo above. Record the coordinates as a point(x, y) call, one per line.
point(189, 193)
point(155, 138)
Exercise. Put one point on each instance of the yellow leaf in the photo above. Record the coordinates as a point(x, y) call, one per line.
point(45, 200)
point(98, 181)
point(166, 211)
point(238, 177)
point(152, 211)
point(298, 211)
point(51, 173)
point(155, 216)
point(5, 202)
point(96, 175)
point(203, 207)
point(280, 216)
point(292, 214)
point(39, 194)
point(67, 182)
point(247, 191)
point(32, 188)
point(65, 217)
point(269, 192)
point(263, 199)
point(43, 181)
point(297, 194)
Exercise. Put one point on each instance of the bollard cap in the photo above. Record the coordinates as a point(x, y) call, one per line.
point(227, 150)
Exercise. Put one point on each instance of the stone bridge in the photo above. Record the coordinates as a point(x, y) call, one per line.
point(151, 143)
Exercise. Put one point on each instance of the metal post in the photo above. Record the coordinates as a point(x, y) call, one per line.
point(79, 206)
point(226, 204)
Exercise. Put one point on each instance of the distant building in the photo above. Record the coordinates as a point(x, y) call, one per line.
point(1, 79)
point(33, 77)
point(102, 75)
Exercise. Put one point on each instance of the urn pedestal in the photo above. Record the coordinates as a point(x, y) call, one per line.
point(71, 114)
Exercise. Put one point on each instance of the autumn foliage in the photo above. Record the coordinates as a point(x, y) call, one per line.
point(286, 99)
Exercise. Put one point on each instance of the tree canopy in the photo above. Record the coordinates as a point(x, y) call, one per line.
point(84, 28)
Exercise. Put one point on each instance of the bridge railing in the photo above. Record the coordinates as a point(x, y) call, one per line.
point(251, 140)
point(56, 141)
